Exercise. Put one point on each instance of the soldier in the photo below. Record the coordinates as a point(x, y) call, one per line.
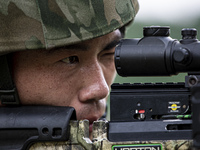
point(61, 53)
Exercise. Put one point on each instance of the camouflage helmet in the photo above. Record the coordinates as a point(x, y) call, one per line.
point(36, 24)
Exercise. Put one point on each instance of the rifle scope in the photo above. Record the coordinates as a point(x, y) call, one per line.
point(157, 54)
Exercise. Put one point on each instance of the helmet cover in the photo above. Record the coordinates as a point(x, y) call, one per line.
point(45, 24)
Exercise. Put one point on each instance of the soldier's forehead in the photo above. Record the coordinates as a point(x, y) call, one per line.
point(84, 46)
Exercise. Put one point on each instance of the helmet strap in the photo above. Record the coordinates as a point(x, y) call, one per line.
point(8, 91)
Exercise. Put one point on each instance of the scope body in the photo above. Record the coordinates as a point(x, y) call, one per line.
point(157, 54)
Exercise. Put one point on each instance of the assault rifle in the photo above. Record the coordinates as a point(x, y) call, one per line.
point(148, 116)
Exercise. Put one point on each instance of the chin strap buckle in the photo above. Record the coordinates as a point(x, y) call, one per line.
point(9, 97)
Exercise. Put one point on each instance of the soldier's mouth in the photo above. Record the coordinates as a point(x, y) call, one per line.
point(90, 127)
point(91, 124)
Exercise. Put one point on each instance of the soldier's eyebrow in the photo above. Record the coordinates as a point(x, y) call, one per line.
point(79, 46)
point(111, 45)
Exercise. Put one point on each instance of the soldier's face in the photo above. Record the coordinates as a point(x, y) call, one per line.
point(78, 75)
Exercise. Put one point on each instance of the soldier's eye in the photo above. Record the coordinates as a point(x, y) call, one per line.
point(70, 60)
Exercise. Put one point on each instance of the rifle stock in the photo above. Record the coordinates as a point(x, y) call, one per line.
point(79, 140)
